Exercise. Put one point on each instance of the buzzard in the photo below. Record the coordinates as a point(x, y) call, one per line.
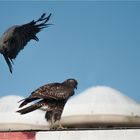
point(16, 38)
point(52, 99)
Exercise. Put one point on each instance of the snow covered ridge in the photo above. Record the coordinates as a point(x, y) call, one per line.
point(9, 106)
point(101, 106)
point(101, 100)
point(95, 106)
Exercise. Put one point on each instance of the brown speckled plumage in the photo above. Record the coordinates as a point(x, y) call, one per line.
point(53, 96)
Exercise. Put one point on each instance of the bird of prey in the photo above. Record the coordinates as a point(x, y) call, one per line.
point(16, 38)
point(52, 99)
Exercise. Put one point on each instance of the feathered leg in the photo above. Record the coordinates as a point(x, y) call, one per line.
point(50, 118)
point(53, 118)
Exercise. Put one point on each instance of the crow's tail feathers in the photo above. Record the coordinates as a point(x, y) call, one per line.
point(9, 62)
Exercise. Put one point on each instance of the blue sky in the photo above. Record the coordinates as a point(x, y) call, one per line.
point(97, 43)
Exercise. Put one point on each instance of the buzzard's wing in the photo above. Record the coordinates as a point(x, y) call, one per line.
point(26, 101)
point(55, 91)
point(49, 106)
point(32, 107)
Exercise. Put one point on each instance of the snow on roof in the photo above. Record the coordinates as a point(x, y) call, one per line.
point(101, 100)
point(9, 106)
point(9, 103)
point(94, 102)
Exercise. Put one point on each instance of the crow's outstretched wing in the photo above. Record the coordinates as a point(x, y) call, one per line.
point(17, 37)
point(24, 33)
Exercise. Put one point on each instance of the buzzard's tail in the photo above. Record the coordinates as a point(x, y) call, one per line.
point(26, 101)
point(9, 62)
point(29, 109)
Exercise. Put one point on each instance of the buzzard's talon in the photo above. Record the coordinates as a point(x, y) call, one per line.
point(57, 127)
point(60, 127)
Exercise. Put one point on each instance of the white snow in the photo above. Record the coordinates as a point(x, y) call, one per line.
point(9, 103)
point(93, 101)
point(101, 100)
point(9, 106)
